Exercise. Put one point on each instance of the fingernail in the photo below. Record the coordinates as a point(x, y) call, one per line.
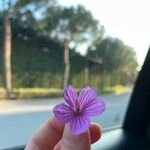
point(70, 138)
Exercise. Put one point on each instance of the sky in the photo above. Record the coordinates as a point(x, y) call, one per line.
point(127, 20)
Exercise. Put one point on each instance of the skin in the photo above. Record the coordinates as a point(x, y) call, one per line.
point(53, 135)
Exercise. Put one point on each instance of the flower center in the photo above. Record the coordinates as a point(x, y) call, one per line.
point(78, 112)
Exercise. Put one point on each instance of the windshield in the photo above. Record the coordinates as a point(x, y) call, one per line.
point(48, 44)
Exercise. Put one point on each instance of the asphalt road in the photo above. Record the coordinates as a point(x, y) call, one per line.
point(19, 119)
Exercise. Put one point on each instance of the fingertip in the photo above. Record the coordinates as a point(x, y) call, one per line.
point(95, 132)
point(72, 141)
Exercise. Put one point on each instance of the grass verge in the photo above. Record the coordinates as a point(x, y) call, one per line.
point(28, 93)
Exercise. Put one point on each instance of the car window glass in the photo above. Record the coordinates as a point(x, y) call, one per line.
point(46, 45)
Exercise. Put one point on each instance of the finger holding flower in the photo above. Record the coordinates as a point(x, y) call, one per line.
point(78, 110)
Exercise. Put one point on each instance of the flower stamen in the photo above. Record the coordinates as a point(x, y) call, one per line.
point(78, 112)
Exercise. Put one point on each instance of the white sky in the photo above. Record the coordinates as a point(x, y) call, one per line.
point(128, 20)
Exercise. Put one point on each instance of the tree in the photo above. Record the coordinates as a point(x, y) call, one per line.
point(29, 21)
point(71, 26)
point(25, 11)
point(7, 53)
point(115, 57)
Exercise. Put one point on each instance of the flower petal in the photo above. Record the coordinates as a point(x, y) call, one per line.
point(86, 95)
point(70, 95)
point(79, 124)
point(63, 112)
point(94, 108)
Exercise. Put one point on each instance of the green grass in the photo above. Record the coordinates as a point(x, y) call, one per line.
point(115, 89)
point(20, 93)
point(27, 93)
point(2, 93)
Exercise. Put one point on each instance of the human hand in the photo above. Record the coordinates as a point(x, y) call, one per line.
point(53, 135)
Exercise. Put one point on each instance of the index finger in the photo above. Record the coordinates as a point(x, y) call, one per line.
point(50, 133)
point(47, 136)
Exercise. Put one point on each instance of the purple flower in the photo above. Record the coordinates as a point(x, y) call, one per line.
point(78, 109)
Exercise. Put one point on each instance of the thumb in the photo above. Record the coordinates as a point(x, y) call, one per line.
point(75, 142)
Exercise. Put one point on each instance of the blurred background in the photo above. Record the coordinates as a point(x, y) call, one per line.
point(48, 44)
point(45, 45)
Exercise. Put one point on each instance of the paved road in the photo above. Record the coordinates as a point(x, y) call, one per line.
point(19, 119)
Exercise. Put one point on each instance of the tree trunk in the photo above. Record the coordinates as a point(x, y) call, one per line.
point(104, 67)
point(66, 64)
point(86, 74)
point(102, 84)
point(7, 55)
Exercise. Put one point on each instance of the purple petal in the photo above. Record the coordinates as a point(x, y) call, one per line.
point(63, 112)
point(94, 108)
point(70, 95)
point(79, 124)
point(86, 95)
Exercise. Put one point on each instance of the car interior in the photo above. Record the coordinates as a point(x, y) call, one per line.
point(135, 132)
point(47, 45)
